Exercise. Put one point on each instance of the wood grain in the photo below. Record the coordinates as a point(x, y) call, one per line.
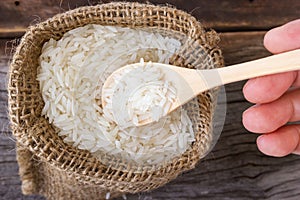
point(225, 15)
point(235, 169)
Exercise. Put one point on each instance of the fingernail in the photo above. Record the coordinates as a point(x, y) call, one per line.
point(260, 139)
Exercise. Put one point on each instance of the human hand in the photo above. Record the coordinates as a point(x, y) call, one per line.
point(277, 99)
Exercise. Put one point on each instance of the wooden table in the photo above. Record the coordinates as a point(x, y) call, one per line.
point(235, 169)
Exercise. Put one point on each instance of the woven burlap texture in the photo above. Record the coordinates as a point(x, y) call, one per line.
point(50, 167)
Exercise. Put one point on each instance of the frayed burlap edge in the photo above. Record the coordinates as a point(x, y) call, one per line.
point(50, 167)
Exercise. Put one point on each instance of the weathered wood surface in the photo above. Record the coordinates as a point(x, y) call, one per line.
point(225, 15)
point(235, 169)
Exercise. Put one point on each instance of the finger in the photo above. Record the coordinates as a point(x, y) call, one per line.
point(269, 88)
point(266, 89)
point(283, 38)
point(265, 118)
point(297, 149)
point(280, 142)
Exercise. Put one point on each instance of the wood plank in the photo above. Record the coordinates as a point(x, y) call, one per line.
point(222, 15)
point(240, 47)
point(235, 169)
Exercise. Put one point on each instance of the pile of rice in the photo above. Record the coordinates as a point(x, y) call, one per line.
point(138, 94)
point(71, 74)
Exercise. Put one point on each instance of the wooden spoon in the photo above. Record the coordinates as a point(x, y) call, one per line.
point(190, 82)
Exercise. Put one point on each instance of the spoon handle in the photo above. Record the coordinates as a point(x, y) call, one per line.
point(284, 62)
point(201, 80)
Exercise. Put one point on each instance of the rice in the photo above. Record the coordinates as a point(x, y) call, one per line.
point(71, 74)
point(138, 94)
point(107, 195)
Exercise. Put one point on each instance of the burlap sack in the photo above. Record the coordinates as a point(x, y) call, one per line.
point(56, 170)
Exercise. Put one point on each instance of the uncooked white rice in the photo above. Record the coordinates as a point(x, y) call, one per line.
point(71, 73)
point(138, 94)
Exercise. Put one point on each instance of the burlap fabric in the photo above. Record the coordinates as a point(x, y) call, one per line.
point(57, 170)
